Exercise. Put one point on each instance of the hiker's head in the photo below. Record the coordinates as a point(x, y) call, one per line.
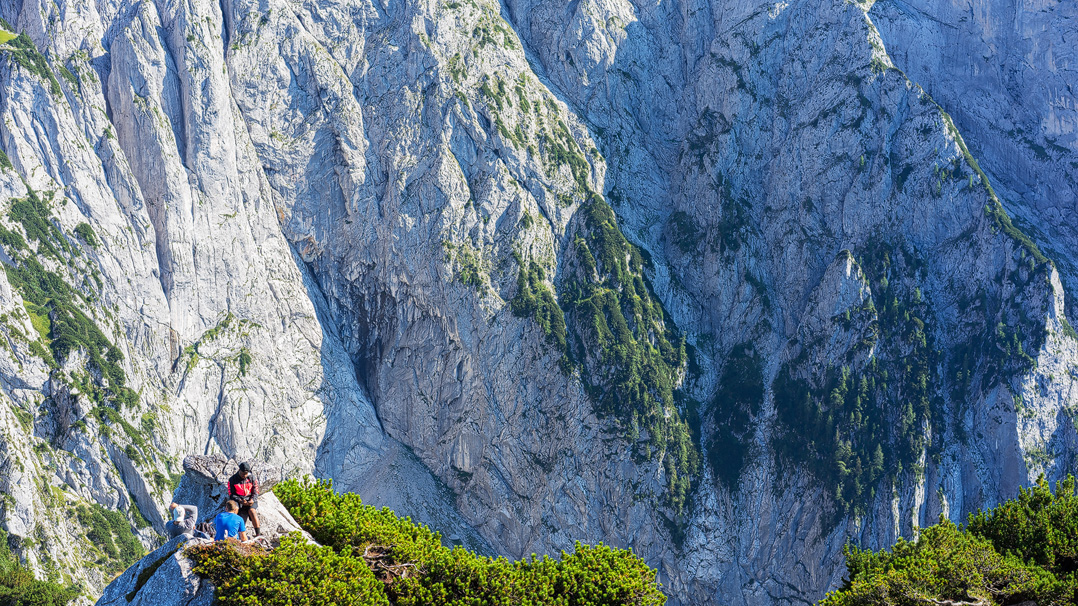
point(231, 506)
point(177, 512)
point(245, 469)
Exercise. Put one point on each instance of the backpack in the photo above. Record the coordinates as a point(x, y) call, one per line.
point(206, 527)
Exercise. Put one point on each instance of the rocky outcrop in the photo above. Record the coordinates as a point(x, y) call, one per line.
point(1006, 72)
point(306, 225)
point(163, 577)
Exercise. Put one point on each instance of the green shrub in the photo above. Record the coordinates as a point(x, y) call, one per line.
point(945, 563)
point(343, 522)
point(294, 573)
point(84, 231)
point(111, 533)
point(372, 553)
point(1036, 527)
point(19, 587)
point(1023, 550)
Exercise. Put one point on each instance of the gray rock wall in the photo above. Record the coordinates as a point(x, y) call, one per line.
point(310, 220)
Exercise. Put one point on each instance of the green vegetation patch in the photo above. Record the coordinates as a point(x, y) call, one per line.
point(71, 330)
point(737, 401)
point(370, 556)
point(229, 322)
point(110, 416)
point(470, 269)
point(294, 573)
point(994, 208)
point(854, 427)
point(110, 532)
point(630, 354)
point(84, 231)
point(54, 306)
point(534, 299)
point(560, 148)
point(19, 587)
point(1024, 550)
point(22, 50)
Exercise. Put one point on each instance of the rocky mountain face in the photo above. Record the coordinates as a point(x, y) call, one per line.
point(1006, 72)
point(730, 283)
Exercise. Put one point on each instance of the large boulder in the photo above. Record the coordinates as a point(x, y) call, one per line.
point(205, 485)
point(162, 578)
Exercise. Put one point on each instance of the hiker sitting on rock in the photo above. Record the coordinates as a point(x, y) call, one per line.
point(243, 489)
point(228, 524)
point(183, 521)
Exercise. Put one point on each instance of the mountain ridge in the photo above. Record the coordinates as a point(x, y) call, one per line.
point(362, 192)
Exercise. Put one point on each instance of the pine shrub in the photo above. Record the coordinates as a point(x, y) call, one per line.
point(294, 573)
point(1021, 551)
point(370, 556)
point(19, 587)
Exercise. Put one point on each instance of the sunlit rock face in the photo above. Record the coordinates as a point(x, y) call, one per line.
point(373, 242)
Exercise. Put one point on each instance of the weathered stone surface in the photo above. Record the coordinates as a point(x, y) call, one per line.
point(162, 578)
point(310, 218)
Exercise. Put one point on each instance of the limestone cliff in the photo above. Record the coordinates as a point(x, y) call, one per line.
point(529, 272)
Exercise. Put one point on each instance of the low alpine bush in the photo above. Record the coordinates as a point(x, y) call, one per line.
point(372, 557)
point(1021, 551)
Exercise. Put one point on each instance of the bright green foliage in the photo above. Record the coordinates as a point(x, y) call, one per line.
point(343, 522)
point(561, 149)
point(54, 306)
point(1037, 527)
point(107, 416)
point(535, 299)
point(34, 213)
point(19, 587)
point(1023, 550)
point(47, 294)
point(84, 231)
point(414, 566)
point(5, 162)
point(26, 55)
point(244, 360)
point(945, 563)
point(110, 532)
point(294, 573)
point(631, 356)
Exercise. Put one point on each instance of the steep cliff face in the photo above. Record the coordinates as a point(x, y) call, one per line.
point(1006, 71)
point(717, 282)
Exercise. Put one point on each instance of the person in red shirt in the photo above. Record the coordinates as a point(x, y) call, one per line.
point(243, 489)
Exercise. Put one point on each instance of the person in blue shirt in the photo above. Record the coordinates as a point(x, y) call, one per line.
point(228, 524)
